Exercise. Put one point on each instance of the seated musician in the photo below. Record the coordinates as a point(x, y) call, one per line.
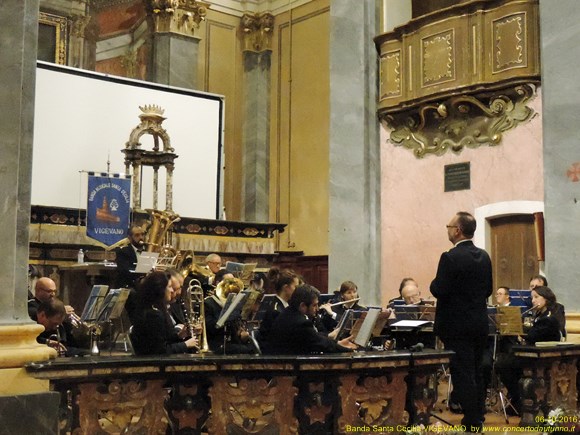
point(402, 285)
point(502, 297)
point(549, 321)
point(293, 331)
point(349, 295)
point(233, 335)
point(152, 332)
point(285, 282)
point(548, 324)
point(411, 294)
point(51, 314)
point(176, 307)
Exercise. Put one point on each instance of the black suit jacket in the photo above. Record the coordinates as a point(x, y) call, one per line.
point(462, 286)
point(126, 260)
point(152, 335)
point(293, 334)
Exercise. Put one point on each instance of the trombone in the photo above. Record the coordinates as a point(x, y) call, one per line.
point(194, 297)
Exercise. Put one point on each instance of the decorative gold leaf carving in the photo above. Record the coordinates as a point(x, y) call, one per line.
point(253, 406)
point(391, 74)
point(177, 16)
point(437, 57)
point(509, 48)
point(122, 407)
point(257, 30)
point(463, 121)
point(563, 384)
point(372, 400)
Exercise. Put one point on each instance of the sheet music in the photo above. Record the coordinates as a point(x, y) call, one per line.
point(146, 262)
point(236, 303)
point(94, 303)
point(364, 334)
point(411, 323)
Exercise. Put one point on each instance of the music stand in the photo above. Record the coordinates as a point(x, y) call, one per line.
point(503, 322)
point(94, 303)
point(406, 312)
point(241, 270)
point(369, 324)
point(112, 313)
point(266, 304)
point(521, 298)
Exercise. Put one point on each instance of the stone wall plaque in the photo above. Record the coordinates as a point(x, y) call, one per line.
point(458, 177)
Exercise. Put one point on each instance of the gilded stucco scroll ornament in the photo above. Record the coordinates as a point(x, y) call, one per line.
point(257, 30)
point(461, 121)
point(177, 16)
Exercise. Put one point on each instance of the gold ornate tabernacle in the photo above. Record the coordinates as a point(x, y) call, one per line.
point(136, 157)
point(459, 77)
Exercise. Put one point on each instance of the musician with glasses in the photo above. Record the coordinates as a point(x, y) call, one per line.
point(462, 285)
point(502, 297)
point(152, 332)
point(45, 291)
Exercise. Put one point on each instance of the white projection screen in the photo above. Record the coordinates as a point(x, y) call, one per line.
point(83, 119)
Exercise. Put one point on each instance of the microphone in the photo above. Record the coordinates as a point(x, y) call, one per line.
point(416, 347)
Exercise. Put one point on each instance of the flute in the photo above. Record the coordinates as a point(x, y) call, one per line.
point(344, 302)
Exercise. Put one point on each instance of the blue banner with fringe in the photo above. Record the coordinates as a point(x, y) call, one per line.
point(108, 208)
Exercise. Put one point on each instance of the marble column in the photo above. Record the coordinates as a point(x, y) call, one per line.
point(257, 47)
point(174, 43)
point(19, 394)
point(355, 248)
point(174, 60)
point(256, 136)
point(560, 32)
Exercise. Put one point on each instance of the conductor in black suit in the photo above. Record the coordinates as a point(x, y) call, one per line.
point(462, 286)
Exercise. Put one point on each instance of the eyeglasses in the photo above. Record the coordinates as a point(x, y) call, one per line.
point(451, 226)
point(48, 291)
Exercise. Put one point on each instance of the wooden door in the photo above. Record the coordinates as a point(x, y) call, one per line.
point(513, 251)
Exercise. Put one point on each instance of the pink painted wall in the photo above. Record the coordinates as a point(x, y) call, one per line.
point(415, 209)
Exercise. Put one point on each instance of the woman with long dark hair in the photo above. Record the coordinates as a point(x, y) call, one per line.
point(152, 332)
point(549, 322)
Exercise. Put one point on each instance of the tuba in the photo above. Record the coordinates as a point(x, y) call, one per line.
point(193, 299)
point(161, 223)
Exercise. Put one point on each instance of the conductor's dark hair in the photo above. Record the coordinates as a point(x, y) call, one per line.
point(466, 223)
point(303, 293)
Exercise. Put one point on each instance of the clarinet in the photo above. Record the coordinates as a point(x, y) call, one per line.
point(187, 316)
